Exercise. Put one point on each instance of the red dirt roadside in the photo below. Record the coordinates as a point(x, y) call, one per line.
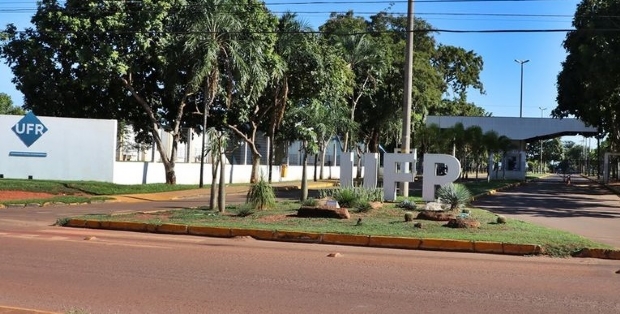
point(22, 195)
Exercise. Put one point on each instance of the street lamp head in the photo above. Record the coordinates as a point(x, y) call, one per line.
point(522, 61)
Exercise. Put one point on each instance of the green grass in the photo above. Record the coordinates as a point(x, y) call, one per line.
point(88, 187)
point(387, 221)
point(68, 199)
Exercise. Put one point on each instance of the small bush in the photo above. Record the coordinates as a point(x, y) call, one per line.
point(349, 197)
point(501, 219)
point(261, 195)
point(407, 204)
point(455, 195)
point(245, 211)
point(409, 216)
point(310, 202)
point(62, 221)
point(363, 207)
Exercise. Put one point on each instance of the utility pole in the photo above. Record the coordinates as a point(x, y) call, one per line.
point(521, 97)
point(405, 146)
point(541, 142)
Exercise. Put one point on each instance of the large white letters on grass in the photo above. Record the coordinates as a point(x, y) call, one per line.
point(394, 170)
point(451, 169)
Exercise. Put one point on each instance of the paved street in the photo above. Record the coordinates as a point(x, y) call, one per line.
point(122, 272)
point(584, 207)
point(99, 271)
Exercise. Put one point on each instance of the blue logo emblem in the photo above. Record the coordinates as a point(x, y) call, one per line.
point(29, 129)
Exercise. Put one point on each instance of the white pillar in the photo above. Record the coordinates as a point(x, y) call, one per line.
point(346, 169)
point(371, 170)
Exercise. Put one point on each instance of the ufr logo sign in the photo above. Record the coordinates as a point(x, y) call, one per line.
point(29, 129)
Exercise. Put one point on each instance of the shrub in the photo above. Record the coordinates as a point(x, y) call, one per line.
point(363, 207)
point(245, 211)
point(501, 219)
point(455, 195)
point(261, 195)
point(349, 197)
point(408, 216)
point(62, 221)
point(407, 204)
point(310, 202)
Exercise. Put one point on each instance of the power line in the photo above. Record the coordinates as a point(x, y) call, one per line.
point(334, 2)
point(431, 30)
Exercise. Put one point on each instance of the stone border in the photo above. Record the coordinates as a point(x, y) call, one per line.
point(320, 238)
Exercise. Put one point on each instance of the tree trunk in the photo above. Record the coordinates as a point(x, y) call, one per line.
point(304, 176)
point(316, 166)
point(270, 159)
point(214, 184)
point(323, 153)
point(221, 199)
point(255, 167)
point(358, 172)
point(167, 161)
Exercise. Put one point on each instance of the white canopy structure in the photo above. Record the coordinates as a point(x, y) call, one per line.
point(520, 130)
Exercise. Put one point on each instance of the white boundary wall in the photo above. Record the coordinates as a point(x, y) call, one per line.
point(189, 173)
point(69, 149)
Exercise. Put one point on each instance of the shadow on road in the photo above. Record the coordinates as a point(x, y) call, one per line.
point(551, 197)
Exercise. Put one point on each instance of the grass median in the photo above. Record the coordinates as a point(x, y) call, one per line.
point(79, 192)
point(388, 220)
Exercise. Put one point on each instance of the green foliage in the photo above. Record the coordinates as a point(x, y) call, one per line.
point(310, 202)
point(407, 204)
point(408, 216)
point(245, 211)
point(456, 195)
point(588, 82)
point(88, 187)
point(349, 197)
point(385, 221)
point(62, 221)
point(6, 106)
point(261, 195)
point(363, 207)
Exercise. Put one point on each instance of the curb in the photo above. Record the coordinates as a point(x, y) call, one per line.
point(331, 238)
point(598, 253)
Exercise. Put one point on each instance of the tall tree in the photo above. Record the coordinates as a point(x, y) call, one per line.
point(589, 83)
point(243, 109)
point(110, 59)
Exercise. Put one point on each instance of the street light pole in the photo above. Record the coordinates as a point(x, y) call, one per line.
point(541, 142)
point(406, 142)
point(521, 97)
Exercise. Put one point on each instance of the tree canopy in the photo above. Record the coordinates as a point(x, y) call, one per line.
point(6, 106)
point(589, 83)
point(169, 64)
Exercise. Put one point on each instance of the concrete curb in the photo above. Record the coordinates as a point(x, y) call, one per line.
point(330, 238)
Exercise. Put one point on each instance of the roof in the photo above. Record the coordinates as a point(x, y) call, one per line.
point(526, 129)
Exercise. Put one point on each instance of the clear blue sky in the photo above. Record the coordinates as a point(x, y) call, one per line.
point(501, 74)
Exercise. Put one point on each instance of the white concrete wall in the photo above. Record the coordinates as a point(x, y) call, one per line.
point(69, 149)
point(189, 173)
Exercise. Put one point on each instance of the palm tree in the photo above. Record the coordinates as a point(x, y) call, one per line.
point(490, 140)
point(295, 54)
point(474, 140)
point(363, 58)
point(213, 42)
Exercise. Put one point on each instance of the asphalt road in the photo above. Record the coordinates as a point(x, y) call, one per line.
point(584, 207)
point(99, 271)
point(121, 272)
